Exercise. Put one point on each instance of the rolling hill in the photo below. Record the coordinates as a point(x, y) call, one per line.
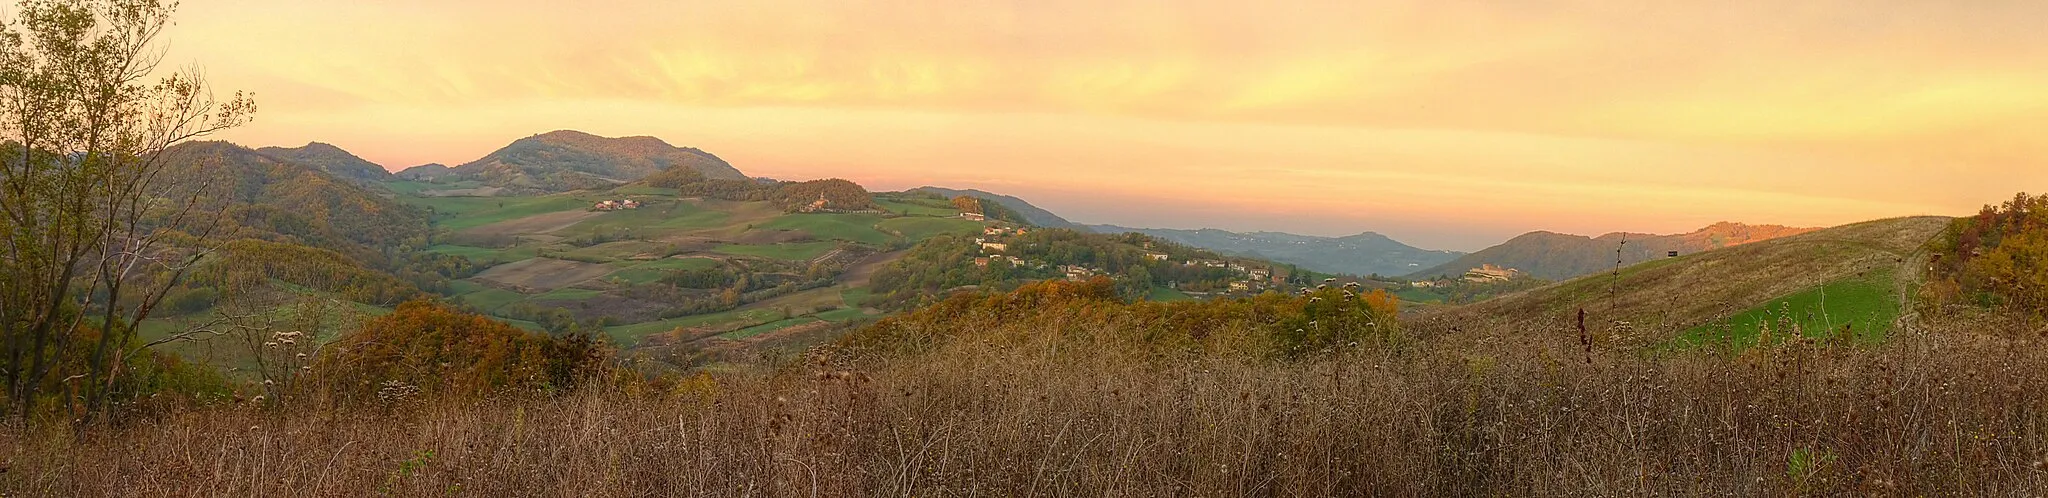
point(427, 171)
point(333, 160)
point(1033, 214)
point(1856, 276)
point(280, 200)
point(1363, 254)
point(1557, 256)
point(570, 160)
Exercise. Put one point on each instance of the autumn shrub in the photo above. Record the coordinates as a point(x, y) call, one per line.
point(444, 353)
point(1998, 257)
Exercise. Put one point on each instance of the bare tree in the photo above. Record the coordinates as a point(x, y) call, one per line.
point(95, 233)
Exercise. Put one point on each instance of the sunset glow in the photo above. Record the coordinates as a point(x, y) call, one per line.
point(1448, 125)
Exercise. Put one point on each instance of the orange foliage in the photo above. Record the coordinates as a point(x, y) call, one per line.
point(446, 353)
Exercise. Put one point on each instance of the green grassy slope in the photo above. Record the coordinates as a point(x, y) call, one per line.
point(1668, 298)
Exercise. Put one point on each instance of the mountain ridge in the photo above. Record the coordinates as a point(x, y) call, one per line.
point(331, 159)
point(1364, 253)
point(564, 160)
point(1558, 256)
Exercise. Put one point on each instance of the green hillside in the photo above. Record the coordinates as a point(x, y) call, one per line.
point(1722, 295)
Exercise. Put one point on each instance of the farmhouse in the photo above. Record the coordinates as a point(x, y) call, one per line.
point(994, 246)
point(611, 205)
point(1156, 256)
point(973, 217)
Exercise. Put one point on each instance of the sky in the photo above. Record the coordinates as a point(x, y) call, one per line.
point(1446, 124)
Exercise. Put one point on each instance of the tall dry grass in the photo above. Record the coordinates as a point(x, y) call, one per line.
point(1948, 413)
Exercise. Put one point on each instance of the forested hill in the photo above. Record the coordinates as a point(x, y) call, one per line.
point(571, 160)
point(333, 160)
point(1363, 254)
point(282, 201)
point(1557, 256)
point(1031, 213)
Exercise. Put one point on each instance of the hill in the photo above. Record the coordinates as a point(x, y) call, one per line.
point(571, 160)
point(1363, 254)
point(1855, 275)
point(278, 200)
point(1033, 214)
point(427, 171)
point(1557, 256)
point(333, 160)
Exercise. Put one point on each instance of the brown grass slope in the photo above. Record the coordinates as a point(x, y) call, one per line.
point(1558, 256)
point(1662, 297)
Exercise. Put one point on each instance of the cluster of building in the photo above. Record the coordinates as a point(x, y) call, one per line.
point(611, 205)
point(982, 262)
point(1002, 231)
point(1490, 273)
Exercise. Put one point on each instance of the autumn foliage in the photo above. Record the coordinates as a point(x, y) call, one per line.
point(1998, 257)
point(434, 350)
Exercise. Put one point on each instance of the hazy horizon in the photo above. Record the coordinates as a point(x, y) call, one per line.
point(1444, 125)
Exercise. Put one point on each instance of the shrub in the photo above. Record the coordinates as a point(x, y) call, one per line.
point(447, 353)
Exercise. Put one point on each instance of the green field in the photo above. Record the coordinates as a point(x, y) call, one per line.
point(801, 251)
point(1867, 305)
point(856, 297)
point(655, 217)
point(919, 207)
point(842, 315)
point(489, 299)
point(456, 213)
point(630, 335)
point(767, 327)
point(1419, 295)
point(849, 227)
point(654, 270)
point(569, 293)
point(919, 228)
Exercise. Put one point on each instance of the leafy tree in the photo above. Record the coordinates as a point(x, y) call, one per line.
point(1998, 257)
point(84, 207)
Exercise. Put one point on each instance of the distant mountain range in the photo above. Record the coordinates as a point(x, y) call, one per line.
point(1557, 256)
point(330, 159)
point(1363, 254)
point(570, 160)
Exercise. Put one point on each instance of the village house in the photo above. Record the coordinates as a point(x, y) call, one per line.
point(1240, 286)
point(1156, 256)
point(1076, 272)
point(1491, 273)
point(611, 205)
point(981, 262)
point(973, 217)
point(1259, 274)
point(994, 246)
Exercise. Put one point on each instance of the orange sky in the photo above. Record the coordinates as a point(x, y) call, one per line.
point(1444, 123)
